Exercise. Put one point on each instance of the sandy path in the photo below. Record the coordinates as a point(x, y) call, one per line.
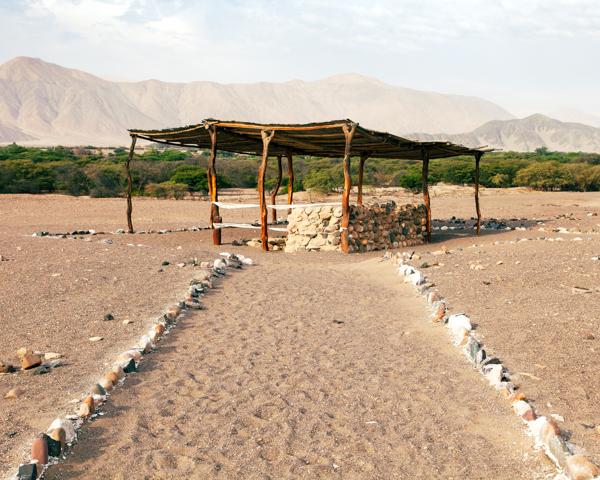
point(266, 383)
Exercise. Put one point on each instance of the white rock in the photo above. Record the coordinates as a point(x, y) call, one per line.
point(493, 374)
point(66, 425)
point(405, 270)
point(417, 278)
point(96, 339)
point(458, 322)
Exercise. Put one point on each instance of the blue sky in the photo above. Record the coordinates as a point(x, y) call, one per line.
point(528, 55)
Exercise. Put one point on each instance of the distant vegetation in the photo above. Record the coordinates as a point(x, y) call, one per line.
point(168, 173)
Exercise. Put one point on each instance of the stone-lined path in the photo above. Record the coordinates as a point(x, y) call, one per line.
point(308, 367)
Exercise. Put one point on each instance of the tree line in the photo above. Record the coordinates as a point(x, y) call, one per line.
point(174, 173)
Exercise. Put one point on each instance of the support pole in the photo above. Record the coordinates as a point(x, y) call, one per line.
point(361, 169)
point(211, 176)
point(267, 136)
point(130, 183)
point(290, 168)
point(276, 190)
point(478, 156)
point(425, 178)
point(349, 130)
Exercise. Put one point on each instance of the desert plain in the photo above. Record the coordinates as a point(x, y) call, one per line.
point(307, 365)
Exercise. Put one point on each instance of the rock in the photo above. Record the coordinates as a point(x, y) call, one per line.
point(30, 360)
point(108, 317)
point(66, 426)
point(118, 370)
point(146, 344)
point(6, 368)
point(87, 408)
point(112, 377)
point(59, 435)
point(52, 356)
point(172, 312)
point(578, 467)
point(493, 374)
point(457, 324)
point(27, 471)
point(524, 410)
point(39, 451)
point(14, 393)
point(127, 322)
point(98, 389)
point(130, 367)
point(106, 384)
point(472, 349)
point(54, 446)
point(439, 311)
point(433, 297)
point(21, 352)
point(41, 370)
point(96, 339)
point(589, 336)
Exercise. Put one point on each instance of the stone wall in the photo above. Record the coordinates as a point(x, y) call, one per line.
point(372, 227)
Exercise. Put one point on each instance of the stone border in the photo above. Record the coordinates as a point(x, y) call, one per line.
point(50, 447)
point(544, 430)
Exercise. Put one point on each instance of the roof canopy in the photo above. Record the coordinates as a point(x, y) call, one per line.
point(325, 139)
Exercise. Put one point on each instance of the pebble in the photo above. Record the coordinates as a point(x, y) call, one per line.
point(130, 366)
point(52, 356)
point(87, 407)
point(112, 377)
point(98, 389)
point(578, 467)
point(14, 393)
point(96, 339)
point(6, 367)
point(127, 322)
point(39, 451)
point(108, 317)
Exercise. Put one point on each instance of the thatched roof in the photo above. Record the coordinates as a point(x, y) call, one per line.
point(324, 139)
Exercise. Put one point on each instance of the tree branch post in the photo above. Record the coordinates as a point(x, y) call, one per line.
point(267, 136)
point(349, 130)
point(290, 169)
point(361, 169)
point(211, 176)
point(130, 183)
point(425, 179)
point(478, 156)
point(276, 190)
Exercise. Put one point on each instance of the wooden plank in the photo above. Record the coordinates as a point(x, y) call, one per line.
point(267, 136)
point(477, 209)
point(349, 130)
point(130, 183)
point(276, 190)
point(425, 179)
point(211, 175)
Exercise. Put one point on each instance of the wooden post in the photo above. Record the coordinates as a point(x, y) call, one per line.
point(290, 199)
point(130, 183)
point(361, 169)
point(425, 177)
point(267, 136)
point(211, 176)
point(276, 189)
point(349, 130)
point(478, 156)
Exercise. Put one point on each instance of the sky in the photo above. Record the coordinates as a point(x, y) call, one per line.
point(526, 55)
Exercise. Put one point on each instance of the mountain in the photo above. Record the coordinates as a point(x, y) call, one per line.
point(574, 115)
point(47, 104)
point(527, 134)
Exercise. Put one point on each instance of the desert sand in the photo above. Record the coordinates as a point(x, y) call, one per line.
point(266, 381)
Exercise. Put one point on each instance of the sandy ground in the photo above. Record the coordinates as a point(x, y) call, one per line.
point(55, 293)
point(285, 376)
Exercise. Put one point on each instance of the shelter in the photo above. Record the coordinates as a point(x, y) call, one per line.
point(338, 138)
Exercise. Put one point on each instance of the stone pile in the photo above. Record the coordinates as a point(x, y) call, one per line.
point(372, 227)
point(544, 430)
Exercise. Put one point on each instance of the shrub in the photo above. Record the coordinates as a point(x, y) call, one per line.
point(167, 190)
point(545, 176)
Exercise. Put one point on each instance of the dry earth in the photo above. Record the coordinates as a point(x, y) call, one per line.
point(55, 293)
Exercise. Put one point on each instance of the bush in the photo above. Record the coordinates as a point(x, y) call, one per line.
point(192, 176)
point(107, 180)
point(167, 190)
point(549, 176)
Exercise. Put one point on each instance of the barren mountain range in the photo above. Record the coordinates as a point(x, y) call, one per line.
point(46, 104)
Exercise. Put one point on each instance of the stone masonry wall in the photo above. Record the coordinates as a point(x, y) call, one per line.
point(372, 227)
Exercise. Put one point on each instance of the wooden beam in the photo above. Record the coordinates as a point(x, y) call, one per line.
point(276, 190)
point(361, 169)
point(267, 136)
point(130, 183)
point(425, 179)
point(349, 129)
point(478, 156)
point(211, 176)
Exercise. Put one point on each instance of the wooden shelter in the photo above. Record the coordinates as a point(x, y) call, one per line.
point(337, 139)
